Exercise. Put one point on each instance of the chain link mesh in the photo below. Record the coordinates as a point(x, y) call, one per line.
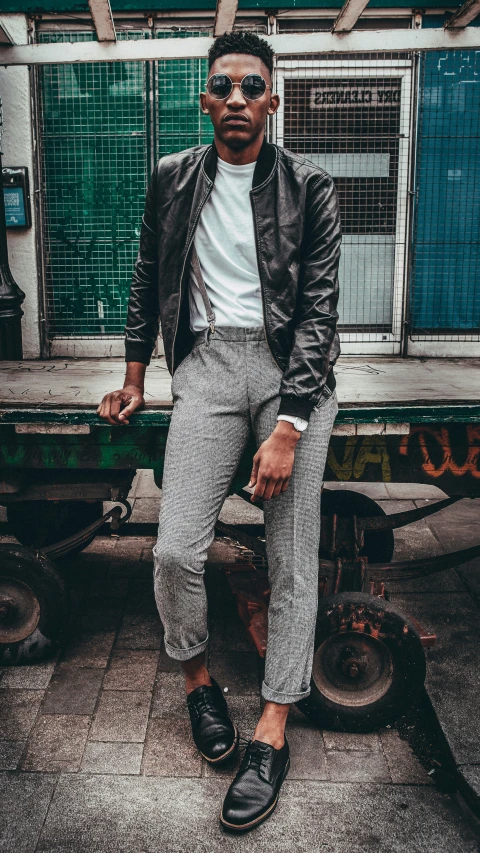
point(94, 165)
point(180, 122)
point(351, 116)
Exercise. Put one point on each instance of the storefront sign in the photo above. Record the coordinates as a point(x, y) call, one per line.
point(345, 94)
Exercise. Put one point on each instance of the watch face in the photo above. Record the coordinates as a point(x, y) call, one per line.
point(300, 424)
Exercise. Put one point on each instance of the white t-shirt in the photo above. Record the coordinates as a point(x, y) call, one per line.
point(225, 244)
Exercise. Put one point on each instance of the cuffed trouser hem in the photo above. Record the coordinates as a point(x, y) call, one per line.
point(282, 698)
point(186, 654)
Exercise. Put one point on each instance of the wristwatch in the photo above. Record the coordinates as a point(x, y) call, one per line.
point(300, 424)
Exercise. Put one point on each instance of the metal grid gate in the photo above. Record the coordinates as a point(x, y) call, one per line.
point(351, 116)
point(105, 124)
point(94, 163)
point(180, 123)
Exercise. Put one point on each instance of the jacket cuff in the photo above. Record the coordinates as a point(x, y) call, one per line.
point(300, 407)
point(135, 351)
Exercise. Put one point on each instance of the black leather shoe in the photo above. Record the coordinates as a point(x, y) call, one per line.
point(214, 734)
point(253, 794)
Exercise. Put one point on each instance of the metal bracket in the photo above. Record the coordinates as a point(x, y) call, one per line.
point(62, 548)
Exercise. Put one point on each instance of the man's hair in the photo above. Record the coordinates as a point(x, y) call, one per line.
point(241, 42)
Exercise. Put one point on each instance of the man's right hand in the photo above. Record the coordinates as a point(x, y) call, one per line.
point(117, 406)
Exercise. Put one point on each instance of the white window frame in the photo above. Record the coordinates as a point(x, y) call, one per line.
point(368, 343)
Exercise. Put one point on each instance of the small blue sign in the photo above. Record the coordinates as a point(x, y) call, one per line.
point(14, 206)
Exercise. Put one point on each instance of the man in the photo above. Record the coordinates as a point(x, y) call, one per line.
point(239, 254)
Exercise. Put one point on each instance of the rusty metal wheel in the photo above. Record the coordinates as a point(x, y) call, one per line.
point(41, 523)
point(33, 606)
point(368, 666)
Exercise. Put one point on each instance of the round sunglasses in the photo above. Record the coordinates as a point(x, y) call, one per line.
point(253, 86)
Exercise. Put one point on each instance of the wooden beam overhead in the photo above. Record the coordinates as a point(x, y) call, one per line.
point(141, 50)
point(348, 15)
point(5, 34)
point(102, 20)
point(466, 13)
point(225, 16)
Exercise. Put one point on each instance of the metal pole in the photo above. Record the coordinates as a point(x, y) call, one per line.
point(11, 297)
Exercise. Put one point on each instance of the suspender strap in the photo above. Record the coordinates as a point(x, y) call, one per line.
point(203, 290)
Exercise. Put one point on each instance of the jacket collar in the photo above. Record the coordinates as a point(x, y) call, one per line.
point(264, 167)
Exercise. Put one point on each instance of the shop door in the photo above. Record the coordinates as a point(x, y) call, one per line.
point(352, 117)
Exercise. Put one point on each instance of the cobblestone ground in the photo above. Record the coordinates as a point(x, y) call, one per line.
point(96, 751)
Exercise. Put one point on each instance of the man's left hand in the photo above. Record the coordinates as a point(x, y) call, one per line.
point(273, 462)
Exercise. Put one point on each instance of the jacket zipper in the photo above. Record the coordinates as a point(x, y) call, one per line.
point(262, 288)
point(192, 236)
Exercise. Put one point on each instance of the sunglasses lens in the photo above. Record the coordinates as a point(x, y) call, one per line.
point(219, 86)
point(253, 86)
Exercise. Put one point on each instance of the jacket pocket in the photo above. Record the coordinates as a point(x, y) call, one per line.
point(324, 397)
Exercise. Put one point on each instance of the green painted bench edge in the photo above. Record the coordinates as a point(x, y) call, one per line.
point(438, 413)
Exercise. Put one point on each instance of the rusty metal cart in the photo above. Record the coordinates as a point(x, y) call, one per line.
point(400, 421)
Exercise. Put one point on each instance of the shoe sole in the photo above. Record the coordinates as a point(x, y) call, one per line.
point(226, 754)
point(244, 827)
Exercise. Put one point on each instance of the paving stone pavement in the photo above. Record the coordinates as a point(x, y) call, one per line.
point(448, 604)
point(96, 752)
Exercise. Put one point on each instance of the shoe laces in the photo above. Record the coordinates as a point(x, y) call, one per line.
point(254, 754)
point(205, 703)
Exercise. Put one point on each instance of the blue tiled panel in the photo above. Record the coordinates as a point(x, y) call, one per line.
point(446, 260)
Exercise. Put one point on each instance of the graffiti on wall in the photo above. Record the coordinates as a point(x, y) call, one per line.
point(358, 453)
point(429, 451)
point(438, 457)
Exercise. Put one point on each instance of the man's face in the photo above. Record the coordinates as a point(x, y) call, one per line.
point(237, 121)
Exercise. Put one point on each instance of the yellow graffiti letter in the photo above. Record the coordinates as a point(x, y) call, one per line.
point(343, 470)
point(373, 449)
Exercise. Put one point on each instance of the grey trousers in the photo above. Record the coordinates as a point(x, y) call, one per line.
point(223, 389)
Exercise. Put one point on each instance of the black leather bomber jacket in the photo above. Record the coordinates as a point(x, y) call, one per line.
point(298, 236)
